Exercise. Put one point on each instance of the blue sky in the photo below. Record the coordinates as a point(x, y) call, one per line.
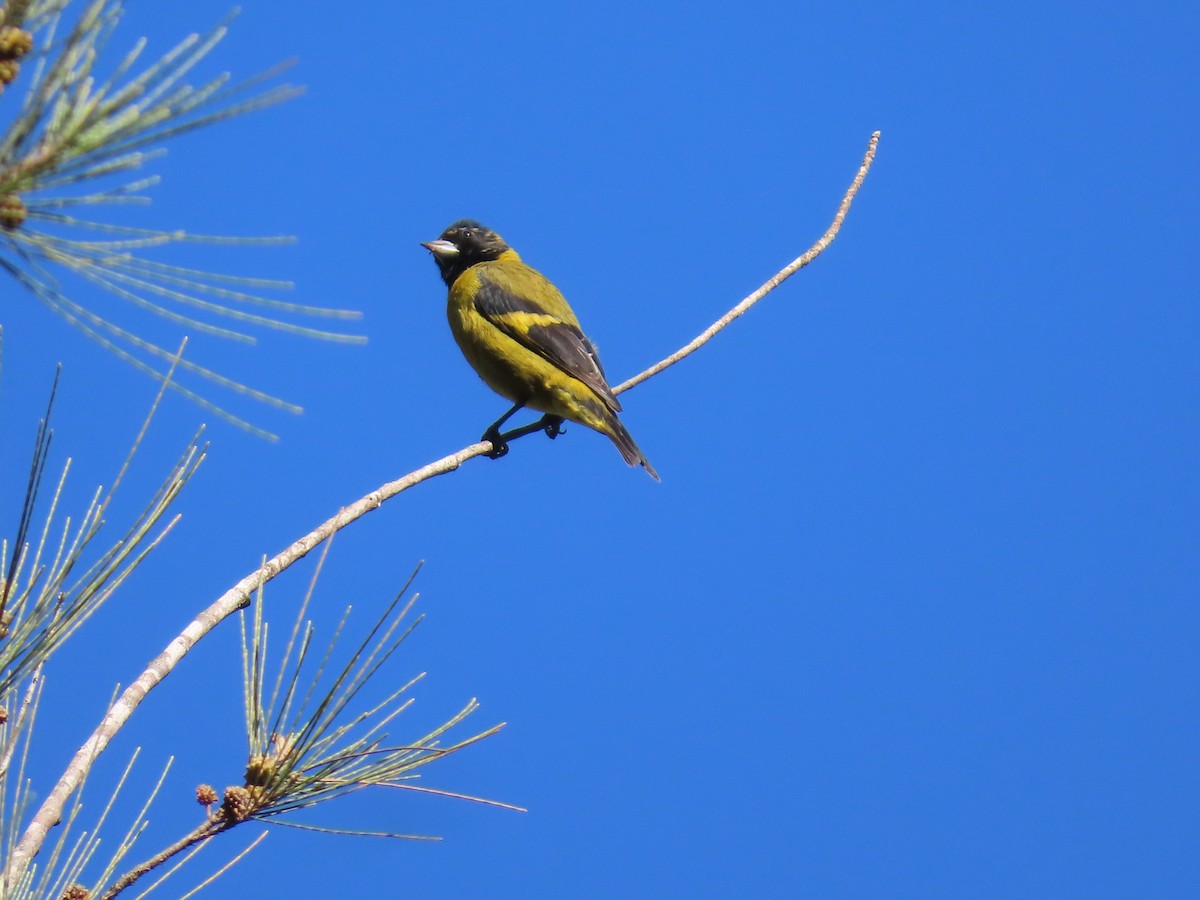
point(913, 612)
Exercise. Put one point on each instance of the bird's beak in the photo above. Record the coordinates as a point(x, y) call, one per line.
point(441, 248)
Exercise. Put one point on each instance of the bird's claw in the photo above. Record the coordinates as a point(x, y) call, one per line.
point(499, 445)
point(553, 427)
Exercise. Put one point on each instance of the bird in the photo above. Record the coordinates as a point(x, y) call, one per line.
point(518, 332)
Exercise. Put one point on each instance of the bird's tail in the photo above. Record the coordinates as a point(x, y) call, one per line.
point(629, 450)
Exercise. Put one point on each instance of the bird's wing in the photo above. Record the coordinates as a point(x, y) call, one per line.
point(528, 308)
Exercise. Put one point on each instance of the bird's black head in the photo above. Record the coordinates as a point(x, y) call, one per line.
point(462, 245)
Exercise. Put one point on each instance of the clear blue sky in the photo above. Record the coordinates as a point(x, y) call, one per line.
point(913, 612)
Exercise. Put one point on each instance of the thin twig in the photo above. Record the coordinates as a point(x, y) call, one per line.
point(201, 833)
point(771, 283)
point(239, 595)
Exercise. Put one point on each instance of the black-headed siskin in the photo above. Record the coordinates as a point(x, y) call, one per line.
point(517, 331)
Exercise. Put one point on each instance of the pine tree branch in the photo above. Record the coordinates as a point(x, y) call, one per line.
point(199, 834)
point(240, 594)
point(771, 283)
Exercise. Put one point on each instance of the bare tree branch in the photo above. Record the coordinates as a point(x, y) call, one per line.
point(239, 595)
point(771, 283)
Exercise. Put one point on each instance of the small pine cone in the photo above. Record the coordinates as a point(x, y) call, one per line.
point(259, 771)
point(12, 216)
point(14, 42)
point(238, 805)
point(206, 795)
point(9, 70)
point(76, 892)
point(3, 715)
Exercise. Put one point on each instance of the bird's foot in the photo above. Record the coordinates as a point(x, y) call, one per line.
point(499, 444)
point(552, 425)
